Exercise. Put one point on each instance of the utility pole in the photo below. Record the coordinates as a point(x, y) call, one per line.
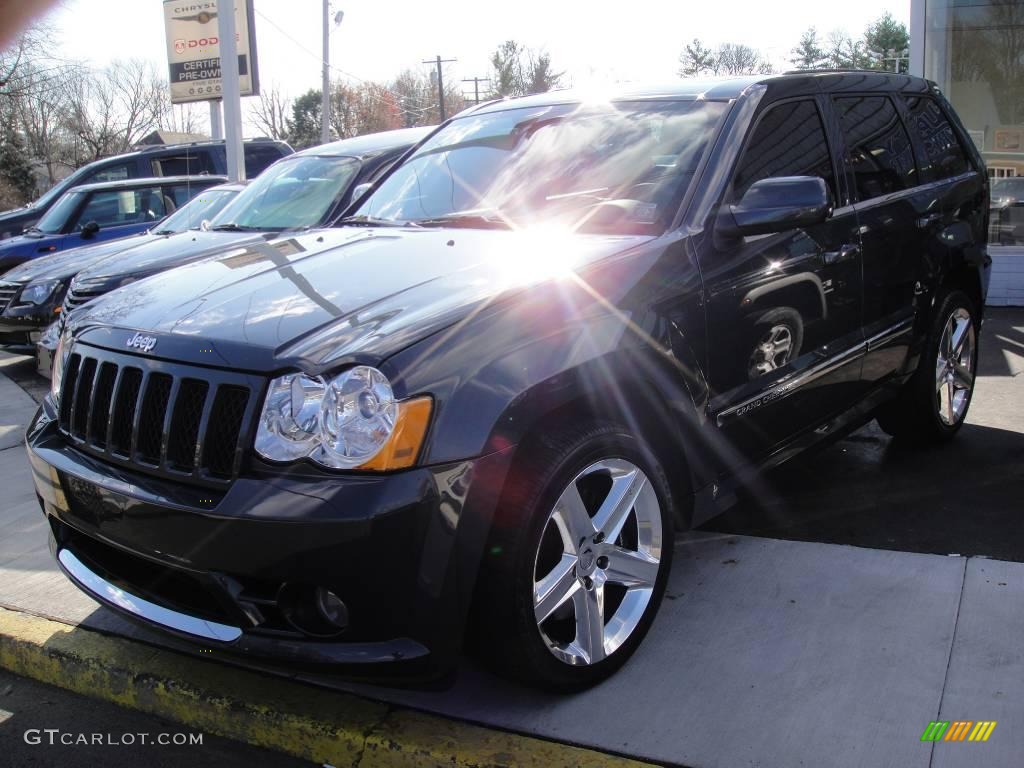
point(476, 86)
point(325, 85)
point(440, 82)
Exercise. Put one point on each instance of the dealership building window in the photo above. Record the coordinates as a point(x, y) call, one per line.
point(974, 51)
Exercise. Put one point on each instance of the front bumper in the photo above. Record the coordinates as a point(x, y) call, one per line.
point(401, 550)
point(22, 326)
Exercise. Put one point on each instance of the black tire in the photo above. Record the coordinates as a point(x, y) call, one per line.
point(913, 417)
point(784, 319)
point(505, 629)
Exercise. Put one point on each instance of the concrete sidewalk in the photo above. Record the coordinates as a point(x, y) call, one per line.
point(766, 652)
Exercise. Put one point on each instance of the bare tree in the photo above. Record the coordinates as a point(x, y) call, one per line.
point(416, 98)
point(269, 114)
point(843, 52)
point(111, 111)
point(363, 108)
point(740, 59)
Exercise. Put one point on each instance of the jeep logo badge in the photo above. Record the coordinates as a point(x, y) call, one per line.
point(139, 341)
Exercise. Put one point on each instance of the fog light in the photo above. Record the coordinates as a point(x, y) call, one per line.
point(314, 611)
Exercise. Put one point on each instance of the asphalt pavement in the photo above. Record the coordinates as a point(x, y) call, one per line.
point(41, 725)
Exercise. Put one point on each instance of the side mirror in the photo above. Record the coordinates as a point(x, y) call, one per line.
point(89, 229)
point(775, 205)
point(361, 189)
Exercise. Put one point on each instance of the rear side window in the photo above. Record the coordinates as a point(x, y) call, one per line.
point(789, 140)
point(880, 155)
point(942, 149)
point(258, 157)
point(116, 172)
point(184, 164)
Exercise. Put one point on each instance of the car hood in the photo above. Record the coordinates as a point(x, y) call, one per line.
point(64, 264)
point(162, 254)
point(329, 294)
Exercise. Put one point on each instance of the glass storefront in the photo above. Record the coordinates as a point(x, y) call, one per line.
point(974, 50)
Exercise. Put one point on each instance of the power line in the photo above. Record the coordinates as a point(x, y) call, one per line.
point(476, 86)
point(398, 99)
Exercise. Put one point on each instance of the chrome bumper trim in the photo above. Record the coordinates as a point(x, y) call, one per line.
point(106, 592)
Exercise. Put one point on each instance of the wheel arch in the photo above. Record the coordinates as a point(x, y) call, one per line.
point(637, 403)
point(803, 292)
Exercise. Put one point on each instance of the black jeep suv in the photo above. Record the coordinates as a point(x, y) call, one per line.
point(555, 334)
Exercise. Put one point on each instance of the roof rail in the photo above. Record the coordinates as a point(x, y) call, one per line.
point(841, 70)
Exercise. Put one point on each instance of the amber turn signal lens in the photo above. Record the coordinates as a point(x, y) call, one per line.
point(403, 448)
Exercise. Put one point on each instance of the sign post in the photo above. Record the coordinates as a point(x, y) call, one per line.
point(231, 90)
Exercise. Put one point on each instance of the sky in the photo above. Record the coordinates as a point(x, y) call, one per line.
point(639, 40)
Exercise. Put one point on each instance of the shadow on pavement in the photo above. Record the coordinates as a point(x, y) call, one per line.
point(867, 490)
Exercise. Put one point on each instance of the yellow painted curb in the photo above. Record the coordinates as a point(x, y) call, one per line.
point(312, 723)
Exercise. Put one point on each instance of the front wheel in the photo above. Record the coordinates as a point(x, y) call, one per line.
point(934, 403)
point(579, 559)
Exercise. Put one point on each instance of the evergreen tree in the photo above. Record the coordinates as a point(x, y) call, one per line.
point(696, 59)
point(808, 53)
point(887, 44)
point(305, 124)
point(15, 168)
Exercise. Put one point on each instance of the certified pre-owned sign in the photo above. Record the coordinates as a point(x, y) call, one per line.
point(193, 49)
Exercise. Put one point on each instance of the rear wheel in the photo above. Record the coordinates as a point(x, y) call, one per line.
point(934, 403)
point(579, 559)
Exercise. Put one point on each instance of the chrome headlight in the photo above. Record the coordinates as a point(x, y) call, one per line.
point(37, 293)
point(349, 421)
point(60, 359)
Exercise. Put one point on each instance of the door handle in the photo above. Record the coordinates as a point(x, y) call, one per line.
point(925, 221)
point(845, 253)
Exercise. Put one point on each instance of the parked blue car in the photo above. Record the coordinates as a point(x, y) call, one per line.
point(95, 212)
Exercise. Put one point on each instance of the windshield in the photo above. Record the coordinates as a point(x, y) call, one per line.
point(620, 168)
point(205, 205)
point(294, 193)
point(53, 220)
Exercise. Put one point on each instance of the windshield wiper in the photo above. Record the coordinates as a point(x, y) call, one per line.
point(466, 220)
point(232, 227)
point(165, 232)
point(370, 221)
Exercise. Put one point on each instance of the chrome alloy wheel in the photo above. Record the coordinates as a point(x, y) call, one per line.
point(597, 562)
point(954, 367)
point(772, 351)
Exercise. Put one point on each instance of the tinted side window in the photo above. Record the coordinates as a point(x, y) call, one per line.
point(880, 155)
point(945, 155)
point(788, 140)
point(258, 157)
point(184, 164)
point(118, 172)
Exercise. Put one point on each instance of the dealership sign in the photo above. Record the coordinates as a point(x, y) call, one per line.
point(193, 50)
